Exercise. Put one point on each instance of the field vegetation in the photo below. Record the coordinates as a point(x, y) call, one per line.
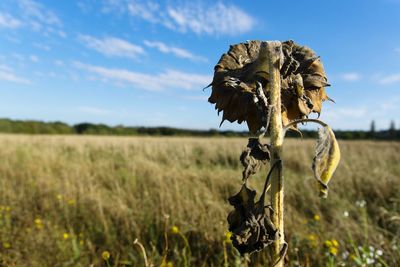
point(89, 200)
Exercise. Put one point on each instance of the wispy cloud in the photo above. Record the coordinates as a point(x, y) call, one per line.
point(397, 50)
point(390, 79)
point(111, 46)
point(7, 74)
point(169, 79)
point(178, 52)
point(94, 110)
point(38, 13)
point(215, 19)
point(350, 76)
point(8, 21)
point(34, 58)
point(42, 46)
point(34, 15)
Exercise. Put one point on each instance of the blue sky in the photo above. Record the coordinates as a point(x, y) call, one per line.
point(145, 62)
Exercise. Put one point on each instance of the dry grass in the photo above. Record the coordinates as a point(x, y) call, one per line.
point(66, 199)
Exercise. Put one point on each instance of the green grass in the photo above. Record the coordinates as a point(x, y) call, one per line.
point(67, 199)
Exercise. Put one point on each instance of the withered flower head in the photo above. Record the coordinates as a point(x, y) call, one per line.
point(239, 70)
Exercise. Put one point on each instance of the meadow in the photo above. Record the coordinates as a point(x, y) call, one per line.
point(89, 200)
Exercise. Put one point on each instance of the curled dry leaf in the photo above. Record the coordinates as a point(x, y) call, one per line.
point(254, 156)
point(252, 229)
point(244, 66)
point(327, 157)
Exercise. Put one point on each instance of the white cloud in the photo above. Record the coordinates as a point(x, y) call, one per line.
point(216, 19)
point(59, 63)
point(8, 21)
point(195, 17)
point(169, 79)
point(42, 46)
point(94, 110)
point(38, 13)
point(32, 14)
point(179, 52)
point(390, 79)
point(34, 58)
point(350, 76)
point(111, 46)
point(7, 74)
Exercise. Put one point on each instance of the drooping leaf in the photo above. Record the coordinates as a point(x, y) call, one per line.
point(327, 157)
point(254, 156)
point(252, 229)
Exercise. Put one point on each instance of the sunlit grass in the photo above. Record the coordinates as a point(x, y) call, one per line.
point(66, 200)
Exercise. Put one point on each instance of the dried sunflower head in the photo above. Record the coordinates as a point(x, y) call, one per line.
point(303, 82)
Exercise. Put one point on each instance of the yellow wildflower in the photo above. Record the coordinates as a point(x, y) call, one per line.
point(311, 237)
point(175, 229)
point(333, 251)
point(335, 243)
point(228, 236)
point(38, 223)
point(81, 242)
point(106, 255)
point(7, 208)
point(6, 245)
point(71, 202)
point(65, 236)
point(328, 243)
point(317, 217)
point(59, 197)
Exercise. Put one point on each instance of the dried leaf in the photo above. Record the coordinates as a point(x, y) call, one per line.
point(252, 229)
point(253, 157)
point(327, 157)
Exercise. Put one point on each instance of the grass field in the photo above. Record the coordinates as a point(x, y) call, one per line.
point(69, 201)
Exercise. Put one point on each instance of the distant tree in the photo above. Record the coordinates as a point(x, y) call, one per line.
point(372, 131)
point(392, 126)
point(392, 129)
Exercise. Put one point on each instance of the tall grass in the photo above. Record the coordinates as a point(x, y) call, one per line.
point(66, 199)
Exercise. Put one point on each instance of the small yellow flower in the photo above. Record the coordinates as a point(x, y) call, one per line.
point(65, 236)
point(59, 197)
point(175, 229)
point(7, 208)
point(38, 223)
point(333, 251)
point(353, 257)
point(106, 255)
point(311, 237)
point(6, 245)
point(317, 217)
point(328, 243)
point(71, 202)
point(228, 236)
point(81, 242)
point(335, 243)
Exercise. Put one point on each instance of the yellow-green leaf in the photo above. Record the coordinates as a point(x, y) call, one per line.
point(327, 157)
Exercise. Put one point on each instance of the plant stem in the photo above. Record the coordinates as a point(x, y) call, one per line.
point(274, 55)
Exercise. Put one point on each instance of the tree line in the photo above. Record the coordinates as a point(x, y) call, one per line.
point(40, 127)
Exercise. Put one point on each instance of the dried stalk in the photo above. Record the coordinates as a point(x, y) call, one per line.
point(274, 56)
